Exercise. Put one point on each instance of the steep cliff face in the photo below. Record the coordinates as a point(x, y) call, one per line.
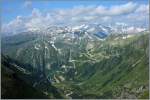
point(17, 83)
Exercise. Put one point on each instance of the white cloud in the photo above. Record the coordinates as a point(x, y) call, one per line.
point(37, 20)
point(123, 9)
point(106, 18)
point(115, 10)
point(140, 17)
point(143, 9)
point(14, 26)
point(127, 13)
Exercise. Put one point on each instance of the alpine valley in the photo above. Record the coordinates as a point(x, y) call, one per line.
point(81, 62)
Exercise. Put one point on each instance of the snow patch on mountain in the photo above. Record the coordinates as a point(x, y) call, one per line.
point(37, 46)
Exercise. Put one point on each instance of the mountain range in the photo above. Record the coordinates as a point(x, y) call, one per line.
point(84, 61)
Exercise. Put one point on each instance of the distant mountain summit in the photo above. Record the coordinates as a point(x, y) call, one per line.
point(96, 30)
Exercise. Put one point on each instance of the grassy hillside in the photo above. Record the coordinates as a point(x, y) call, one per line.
point(116, 67)
point(120, 70)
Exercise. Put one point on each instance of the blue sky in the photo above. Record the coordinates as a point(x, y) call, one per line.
point(31, 14)
point(13, 8)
